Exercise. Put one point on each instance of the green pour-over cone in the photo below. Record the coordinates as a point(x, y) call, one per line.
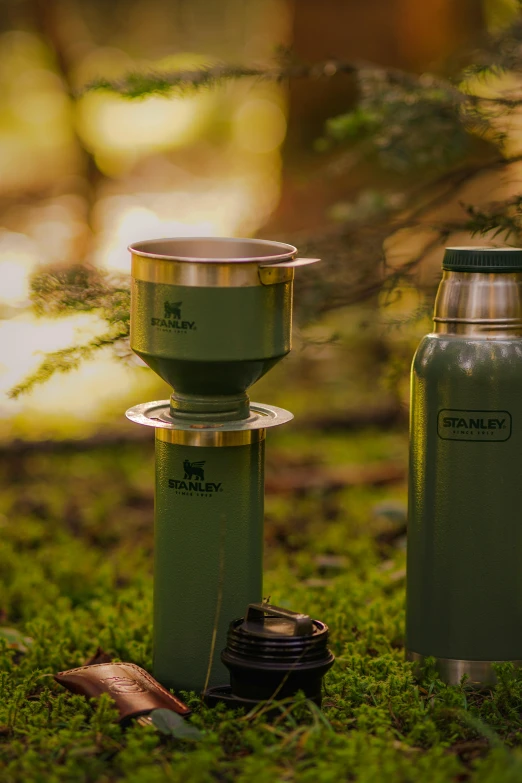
point(209, 378)
point(211, 340)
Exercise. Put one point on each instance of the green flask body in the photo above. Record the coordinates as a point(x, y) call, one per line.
point(208, 555)
point(465, 500)
point(464, 574)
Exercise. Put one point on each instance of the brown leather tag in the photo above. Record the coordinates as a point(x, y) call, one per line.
point(132, 688)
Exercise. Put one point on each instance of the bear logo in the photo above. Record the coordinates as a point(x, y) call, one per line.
point(172, 309)
point(194, 469)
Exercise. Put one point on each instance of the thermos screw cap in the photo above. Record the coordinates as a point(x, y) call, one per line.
point(274, 653)
point(483, 259)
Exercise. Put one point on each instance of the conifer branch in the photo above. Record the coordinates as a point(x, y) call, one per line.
point(63, 291)
point(136, 84)
point(141, 84)
point(68, 359)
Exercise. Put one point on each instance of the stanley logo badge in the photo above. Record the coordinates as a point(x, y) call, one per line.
point(172, 320)
point(474, 425)
point(193, 481)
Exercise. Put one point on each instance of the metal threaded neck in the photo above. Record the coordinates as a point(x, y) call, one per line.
point(277, 650)
point(212, 408)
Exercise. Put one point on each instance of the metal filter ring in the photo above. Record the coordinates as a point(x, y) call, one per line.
point(186, 432)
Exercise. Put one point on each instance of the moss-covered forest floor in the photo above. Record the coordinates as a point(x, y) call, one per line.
point(75, 574)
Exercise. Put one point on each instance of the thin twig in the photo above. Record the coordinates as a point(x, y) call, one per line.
point(221, 577)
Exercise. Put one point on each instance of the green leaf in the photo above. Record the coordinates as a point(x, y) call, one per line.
point(15, 639)
point(172, 724)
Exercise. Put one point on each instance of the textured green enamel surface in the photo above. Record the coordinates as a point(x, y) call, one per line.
point(208, 555)
point(211, 340)
point(464, 590)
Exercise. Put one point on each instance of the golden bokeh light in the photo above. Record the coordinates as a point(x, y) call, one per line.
point(259, 125)
point(18, 256)
point(107, 123)
point(145, 187)
point(36, 138)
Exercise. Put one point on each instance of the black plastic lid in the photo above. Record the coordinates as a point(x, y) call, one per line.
point(272, 653)
point(483, 259)
point(272, 636)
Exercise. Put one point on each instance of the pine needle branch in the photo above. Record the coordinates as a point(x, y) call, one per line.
point(142, 84)
point(139, 84)
point(62, 290)
point(59, 292)
point(68, 359)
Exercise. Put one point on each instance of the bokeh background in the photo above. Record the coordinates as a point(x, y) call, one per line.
point(82, 177)
point(85, 173)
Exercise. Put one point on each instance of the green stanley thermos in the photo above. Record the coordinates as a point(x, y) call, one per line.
point(464, 570)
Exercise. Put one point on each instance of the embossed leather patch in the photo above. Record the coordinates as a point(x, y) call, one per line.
point(133, 689)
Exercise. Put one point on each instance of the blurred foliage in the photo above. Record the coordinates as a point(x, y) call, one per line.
point(79, 289)
point(77, 575)
point(435, 134)
point(407, 126)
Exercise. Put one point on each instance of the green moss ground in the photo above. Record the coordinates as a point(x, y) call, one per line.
point(75, 573)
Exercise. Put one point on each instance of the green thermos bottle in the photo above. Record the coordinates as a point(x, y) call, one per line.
point(464, 570)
